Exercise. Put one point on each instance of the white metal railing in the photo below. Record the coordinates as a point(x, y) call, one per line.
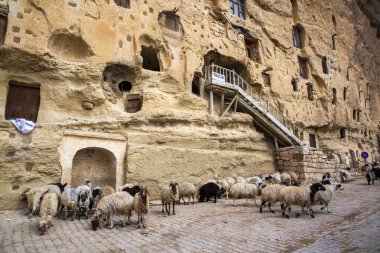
point(230, 79)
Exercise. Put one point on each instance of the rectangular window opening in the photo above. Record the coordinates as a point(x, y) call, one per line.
point(303, 67)
point(310, 91)
point(325, 67)
point(252, 50)
point(123, 3)
point(171, 23)
point(133, 103)
point(313, 140)
point(23, 101)
point(297, 37)
point(196, 85)
point(266, 79)
point(237, 8)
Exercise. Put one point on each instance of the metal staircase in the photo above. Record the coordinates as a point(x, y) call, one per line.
point(268, 118)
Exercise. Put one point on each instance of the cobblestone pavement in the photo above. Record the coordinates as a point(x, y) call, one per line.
point(353, 226)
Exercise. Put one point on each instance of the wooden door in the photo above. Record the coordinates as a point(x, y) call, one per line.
point(22, 102)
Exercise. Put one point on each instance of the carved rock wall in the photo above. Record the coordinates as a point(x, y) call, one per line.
point(79, 51)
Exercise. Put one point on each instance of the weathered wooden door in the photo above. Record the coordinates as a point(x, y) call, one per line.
point(22, 102)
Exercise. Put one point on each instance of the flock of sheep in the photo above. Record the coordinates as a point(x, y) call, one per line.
point(285, 188)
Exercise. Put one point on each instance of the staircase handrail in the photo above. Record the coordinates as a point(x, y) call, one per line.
point(231, 78)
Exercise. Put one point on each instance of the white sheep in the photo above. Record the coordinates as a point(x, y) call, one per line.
point(84, 195)
point(118, 202)
point(186, 190)
point(301, 196)
point(34, 197)
point(345, 175)
point(141, 205)
point(255, 180)
point(230, 180)
point(69, 201)
point(169, 195)
point(270, 194)
point(286, 178)
point(276, 177)
point(294, 177)
point(239, 180)
point(243, 190)
point(106, 190)
point(48, 209)
point(324, 197)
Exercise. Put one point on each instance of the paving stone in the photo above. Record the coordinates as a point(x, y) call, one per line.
point(354, 226)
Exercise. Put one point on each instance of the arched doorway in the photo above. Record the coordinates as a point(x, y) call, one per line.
point(95, 164)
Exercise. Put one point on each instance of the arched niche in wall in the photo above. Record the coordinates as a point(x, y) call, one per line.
point(170, 24)
point(117, 79)
point(94, 164)
point(69, 46)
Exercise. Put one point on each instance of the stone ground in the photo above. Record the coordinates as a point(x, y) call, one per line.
point(353, 226)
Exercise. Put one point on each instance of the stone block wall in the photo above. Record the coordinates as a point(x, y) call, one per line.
point(310, 163)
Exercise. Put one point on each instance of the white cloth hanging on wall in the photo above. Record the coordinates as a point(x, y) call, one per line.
point(23, 126)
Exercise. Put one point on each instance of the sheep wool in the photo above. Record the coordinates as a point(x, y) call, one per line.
point(141, 205)
point(69, 201)
point(186, 190)
point(48, 210)
point(301, 196)
point(37, 193)
point(118, 202)
point(293, 176)
point(169, 195)
point(243, 190)
point(326, 196)
point(276, 177)
point(271, 195)
point(106, 190)
point(286, 178)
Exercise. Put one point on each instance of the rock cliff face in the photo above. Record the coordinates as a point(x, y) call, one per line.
point(122, 91)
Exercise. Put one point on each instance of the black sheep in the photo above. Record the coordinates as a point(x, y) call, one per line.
point(376, 170)
point(132, 190)
point(95, 193)
point(209, 190)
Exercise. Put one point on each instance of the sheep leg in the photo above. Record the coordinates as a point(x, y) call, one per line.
point(254, 198)
point(227, 194)
point(284, 213)
point(270, 208)
point(310, 211)
point(261, 206)
point(328, 210)
point(193, 199)
point(173, 208)
point(188, 202)
point(65, 211)
point(162, 206)
point(168, 211)
point(127, 216)
point(215, 198)
point(110, 219)
point(74, 213)
point(143, 220)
